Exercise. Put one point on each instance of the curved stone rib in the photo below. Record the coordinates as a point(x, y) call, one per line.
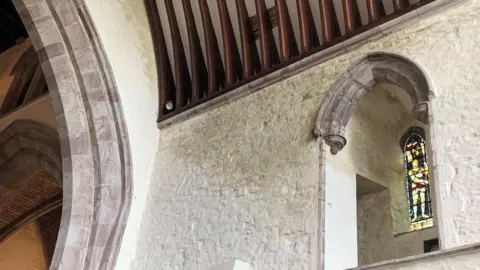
point(33, 140)
point(338, 105)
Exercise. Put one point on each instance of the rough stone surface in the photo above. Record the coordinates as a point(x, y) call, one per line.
point(244, 178)
point(241, 181)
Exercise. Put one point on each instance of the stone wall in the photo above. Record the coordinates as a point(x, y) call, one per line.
point(242, 181)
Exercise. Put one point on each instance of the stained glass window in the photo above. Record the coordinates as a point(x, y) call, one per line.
point(418, 185)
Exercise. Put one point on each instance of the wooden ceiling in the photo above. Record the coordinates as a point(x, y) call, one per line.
point(11, 26)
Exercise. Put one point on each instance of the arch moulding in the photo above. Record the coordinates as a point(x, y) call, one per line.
point(97, 178)
point(338, 105)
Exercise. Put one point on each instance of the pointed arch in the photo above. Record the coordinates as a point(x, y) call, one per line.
point(338, 105)
point(28, 146)
point(96, 162)
point(30, 179)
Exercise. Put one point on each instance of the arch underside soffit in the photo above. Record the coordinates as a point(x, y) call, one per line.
point(30, 180)
point(338, 105)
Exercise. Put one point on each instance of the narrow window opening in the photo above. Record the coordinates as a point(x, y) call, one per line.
point(417, 182)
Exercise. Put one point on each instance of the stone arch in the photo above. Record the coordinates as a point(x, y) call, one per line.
point(97, 177)
point(30, 173)
point(28, 146)
point(338, 105)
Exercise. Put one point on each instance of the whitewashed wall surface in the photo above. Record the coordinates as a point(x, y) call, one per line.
point(242, 181)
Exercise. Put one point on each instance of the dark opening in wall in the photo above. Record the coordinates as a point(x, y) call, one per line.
point(431, 245)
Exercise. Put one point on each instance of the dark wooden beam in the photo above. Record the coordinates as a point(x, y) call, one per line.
point(22, 72)
point(400, 4)
point(36, 87)
point(352, 15)
point(330, 25)
point(197, 62)
point(288, 45)
point(268, 50)
point(233, 66)
point(166, 82)
point(308, 33)
point(250, 58)
point(376, 10)
point(216, 73)
point(182, 77)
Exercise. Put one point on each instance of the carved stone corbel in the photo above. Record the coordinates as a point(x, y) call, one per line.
point(336, 143)
point(420, 112)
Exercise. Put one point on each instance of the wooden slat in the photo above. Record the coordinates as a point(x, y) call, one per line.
point(36, 87)
point(400, 4)
point(330, 25)
point(308, 34)
point(164, 71)
point(233, 66)
point(288, 45)
point(250, 58)
point(216, 74)
point(268, 50)
point(182, 77)
point(352, 15)
point(376, 10)
point(197, 62)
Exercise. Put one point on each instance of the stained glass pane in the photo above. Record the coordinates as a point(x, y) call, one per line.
point(418, 185)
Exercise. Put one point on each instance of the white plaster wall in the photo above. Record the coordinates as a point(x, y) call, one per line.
point(375, 234)
point(123, 29)
point(376, 239)
point(379, 120)
point(240, 181)
point(340, 219)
